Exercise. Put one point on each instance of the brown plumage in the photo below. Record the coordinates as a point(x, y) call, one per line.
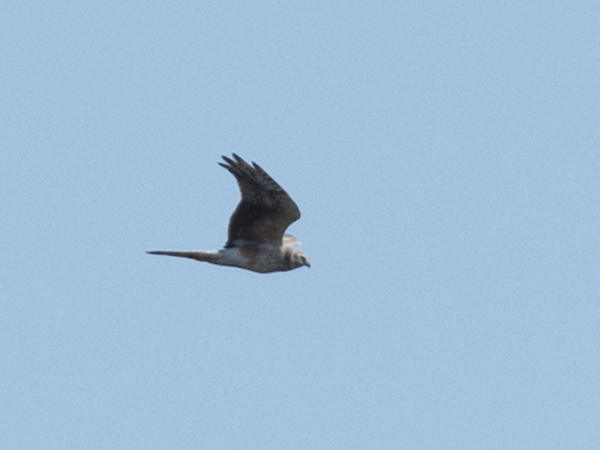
point(265, 210)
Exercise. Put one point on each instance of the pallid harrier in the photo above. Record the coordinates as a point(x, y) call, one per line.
point(256, 239)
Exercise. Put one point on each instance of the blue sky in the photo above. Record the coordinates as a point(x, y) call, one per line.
point(444, 155)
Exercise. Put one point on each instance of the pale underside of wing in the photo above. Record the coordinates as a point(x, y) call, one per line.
point(289, 240)
point(265, 210)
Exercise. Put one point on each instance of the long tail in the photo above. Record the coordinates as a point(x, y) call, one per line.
point(197, 255)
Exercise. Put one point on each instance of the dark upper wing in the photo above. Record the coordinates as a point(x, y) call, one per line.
point(265, 210)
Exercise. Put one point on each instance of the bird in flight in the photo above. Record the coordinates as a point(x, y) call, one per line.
point(256, 239)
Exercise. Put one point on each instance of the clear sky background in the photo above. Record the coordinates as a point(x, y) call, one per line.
point(445, 157)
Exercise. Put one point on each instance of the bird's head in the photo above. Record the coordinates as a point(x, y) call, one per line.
point(297, 258)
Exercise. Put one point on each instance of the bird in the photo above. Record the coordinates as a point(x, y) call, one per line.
point(256, 238)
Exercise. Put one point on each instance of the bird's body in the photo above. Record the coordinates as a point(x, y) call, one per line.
point(262, 258)
point(256, 239)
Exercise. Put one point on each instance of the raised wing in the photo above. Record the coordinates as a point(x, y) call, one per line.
point(265, 210)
